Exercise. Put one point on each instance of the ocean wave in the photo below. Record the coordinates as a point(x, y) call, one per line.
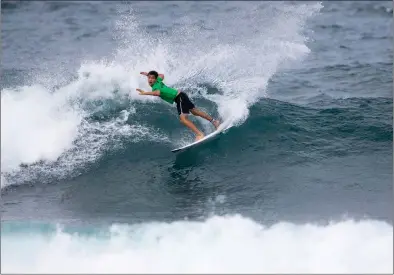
point(60, 128)
point(324, 128)
point(220, 244)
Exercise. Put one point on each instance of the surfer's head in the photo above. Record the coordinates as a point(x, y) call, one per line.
point(152, 76)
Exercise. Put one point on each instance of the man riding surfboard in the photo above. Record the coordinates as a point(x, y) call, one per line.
point(183, 103)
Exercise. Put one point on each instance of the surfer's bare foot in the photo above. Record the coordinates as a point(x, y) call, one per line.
point(199, 137)
point(216, 123)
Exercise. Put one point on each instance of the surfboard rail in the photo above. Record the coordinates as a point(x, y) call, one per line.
point(221, 128)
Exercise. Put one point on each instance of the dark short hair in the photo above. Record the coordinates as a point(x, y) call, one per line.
point(154, 73)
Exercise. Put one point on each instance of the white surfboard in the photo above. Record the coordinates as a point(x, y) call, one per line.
point(221, 128)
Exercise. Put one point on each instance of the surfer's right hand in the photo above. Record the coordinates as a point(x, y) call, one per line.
point(142, 92)
point(144, 73)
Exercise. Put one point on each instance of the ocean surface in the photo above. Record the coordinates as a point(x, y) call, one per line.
point(301, 181)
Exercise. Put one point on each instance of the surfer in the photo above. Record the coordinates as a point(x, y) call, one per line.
point(183, 103)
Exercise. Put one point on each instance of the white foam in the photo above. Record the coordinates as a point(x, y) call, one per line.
point(42, 125)
point(237, 63)
point(231, 244)
point(35, 125)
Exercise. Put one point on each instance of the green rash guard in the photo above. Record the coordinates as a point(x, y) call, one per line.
point(166, 93)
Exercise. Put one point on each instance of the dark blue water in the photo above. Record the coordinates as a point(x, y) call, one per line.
point(304, 168)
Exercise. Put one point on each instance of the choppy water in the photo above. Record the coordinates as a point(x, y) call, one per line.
point(300, 182)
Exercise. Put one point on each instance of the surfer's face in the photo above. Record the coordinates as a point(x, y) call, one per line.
point(151, 79)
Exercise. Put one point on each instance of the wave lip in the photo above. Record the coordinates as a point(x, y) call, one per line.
point(227, 244)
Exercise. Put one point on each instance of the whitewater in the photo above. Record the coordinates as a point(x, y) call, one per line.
point(232, 244)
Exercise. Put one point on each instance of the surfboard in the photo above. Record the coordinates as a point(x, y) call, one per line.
point(221, 128)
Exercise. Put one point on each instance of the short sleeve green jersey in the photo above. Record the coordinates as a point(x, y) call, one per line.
point(166, 93)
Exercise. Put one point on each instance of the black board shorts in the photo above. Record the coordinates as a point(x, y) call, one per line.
point(183, 103)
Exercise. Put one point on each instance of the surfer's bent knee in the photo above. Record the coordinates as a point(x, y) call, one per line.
point(182, 117)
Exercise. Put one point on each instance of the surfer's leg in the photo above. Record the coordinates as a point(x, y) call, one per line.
point(202, 114)
point(185, 121)
point(184, 105)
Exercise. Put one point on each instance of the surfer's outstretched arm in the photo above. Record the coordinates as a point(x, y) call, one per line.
point(154, 93)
